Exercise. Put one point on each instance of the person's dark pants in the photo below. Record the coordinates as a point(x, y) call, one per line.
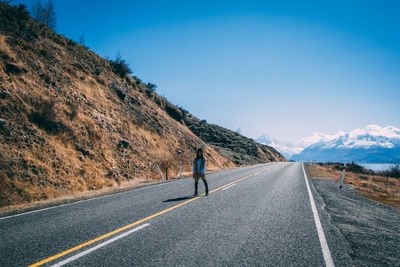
point(196, 183)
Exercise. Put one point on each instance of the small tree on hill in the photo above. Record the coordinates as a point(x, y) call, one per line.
point(152, 87)
point(120, 67)
point(82, 39)
point(44, 13)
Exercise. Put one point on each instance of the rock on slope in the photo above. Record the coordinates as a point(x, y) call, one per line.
point(71, 124)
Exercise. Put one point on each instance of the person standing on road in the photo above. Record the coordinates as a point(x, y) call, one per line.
point(199, 167)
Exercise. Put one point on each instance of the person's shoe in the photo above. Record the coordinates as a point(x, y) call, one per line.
point(195, 194)
point(206, 194)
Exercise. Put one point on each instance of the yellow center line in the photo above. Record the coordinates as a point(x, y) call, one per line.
point(133, 224)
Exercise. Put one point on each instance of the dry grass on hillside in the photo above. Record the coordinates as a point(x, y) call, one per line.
point(74, 123)
point(69, 130)
point(382, 189)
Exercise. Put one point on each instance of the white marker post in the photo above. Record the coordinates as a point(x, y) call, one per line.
point(180, 162)
point(162, 176)
point(343, 172)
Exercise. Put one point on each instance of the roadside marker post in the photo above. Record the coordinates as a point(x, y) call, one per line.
point(341, 180)
point(162, 176)
point(180, 162)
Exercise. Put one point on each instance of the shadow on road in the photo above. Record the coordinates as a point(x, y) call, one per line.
point(177, 199)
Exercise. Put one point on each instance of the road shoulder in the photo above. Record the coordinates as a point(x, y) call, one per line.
point(369, 231)
point(338, 245)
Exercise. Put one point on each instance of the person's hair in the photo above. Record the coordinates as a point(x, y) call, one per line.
point(197, 153)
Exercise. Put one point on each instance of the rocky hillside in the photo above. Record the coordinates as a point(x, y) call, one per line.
point(71, 121)
point(237, 148)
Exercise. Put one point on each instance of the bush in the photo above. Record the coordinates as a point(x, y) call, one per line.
point(173, 111)
point(14, 69)
point(46, 116)
point(160, 101)
point(353, 167)
point(71, 43)
point(183, 110)
point(13, 18)
point(121, 95)
point(5, 57)
point(97, 71)
point(120, 67)
point(152, 87)
point(138, 81)
point(393, 171)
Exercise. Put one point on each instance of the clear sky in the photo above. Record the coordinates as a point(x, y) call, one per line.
point(284, 68)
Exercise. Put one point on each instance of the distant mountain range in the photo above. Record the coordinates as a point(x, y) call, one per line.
point(373, 144)
point(287, 149)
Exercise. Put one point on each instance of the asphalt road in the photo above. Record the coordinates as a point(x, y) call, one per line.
point(258, 215)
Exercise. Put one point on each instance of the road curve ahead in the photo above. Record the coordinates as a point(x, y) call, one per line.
point(266, 215)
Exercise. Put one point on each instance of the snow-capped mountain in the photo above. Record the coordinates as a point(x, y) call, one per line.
point(287, 149)
point(373, 144)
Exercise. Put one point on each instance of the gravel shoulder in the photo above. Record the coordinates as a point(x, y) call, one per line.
point(371, 230)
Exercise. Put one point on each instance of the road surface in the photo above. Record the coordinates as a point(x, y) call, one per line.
point(261, 215)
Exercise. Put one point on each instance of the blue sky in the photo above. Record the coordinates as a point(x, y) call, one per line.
point(284, 68)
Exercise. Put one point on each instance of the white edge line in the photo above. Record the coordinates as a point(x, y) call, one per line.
point(79, 201)
point(228, 187)
point(324, 245)
point(84, 200)
point(83, 253)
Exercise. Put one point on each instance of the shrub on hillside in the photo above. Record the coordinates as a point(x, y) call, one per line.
point(183, 110)
point(13, 18)
point(120, 67)
point(353, 167)
point(14, 69)
point(152, 87)
point(138, 81)
point(173, 111)
point(5, 57)
point(70, 43)
point(394, 171)
point(46, 116)
point(160, 101)
point(97, 71)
